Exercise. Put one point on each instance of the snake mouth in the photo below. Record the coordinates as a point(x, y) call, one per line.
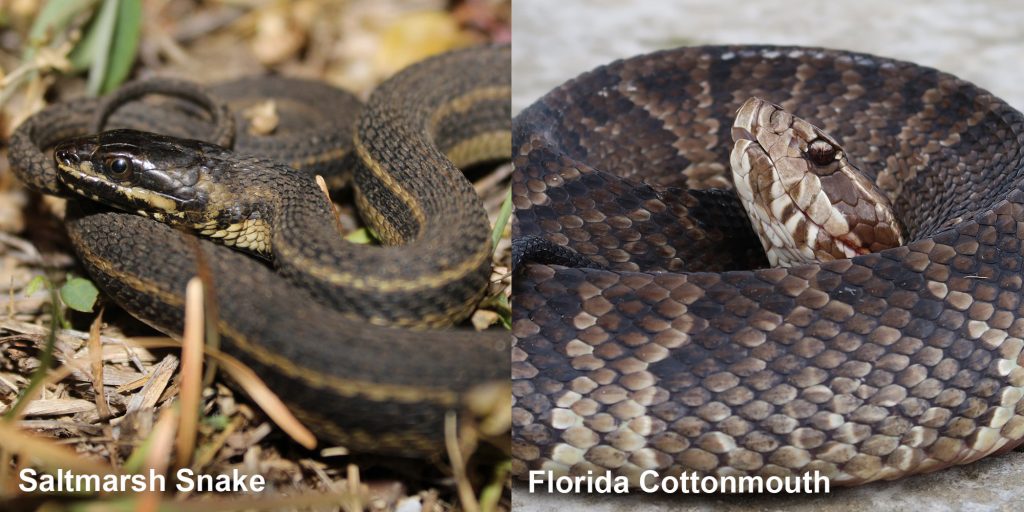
point(79, 176)
point(742, 133)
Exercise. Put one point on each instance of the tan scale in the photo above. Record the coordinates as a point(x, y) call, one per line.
point(250, 234)
point(865, 368)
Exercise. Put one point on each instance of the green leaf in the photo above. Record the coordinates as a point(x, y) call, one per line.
point(104, 25)
point(502, 220)
point(79, 294)
point(109, 46)
point(360, 236)
point(499, 304)
point(52, 18)
point(126, 43)
point(504, 309)
point(490, 495)
point(84, 52)
point(218, 422)
point(36, 284)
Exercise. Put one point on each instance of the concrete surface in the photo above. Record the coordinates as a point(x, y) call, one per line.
point(993, 484)
point(982, 41)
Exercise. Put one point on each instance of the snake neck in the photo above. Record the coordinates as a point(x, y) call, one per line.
point(413, 280)
point(244, 199)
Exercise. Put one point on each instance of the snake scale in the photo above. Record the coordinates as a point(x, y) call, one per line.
point(678, 350)
point(324, 331)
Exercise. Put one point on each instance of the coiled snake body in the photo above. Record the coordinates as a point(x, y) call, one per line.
point(684, 353)
point(339, 361)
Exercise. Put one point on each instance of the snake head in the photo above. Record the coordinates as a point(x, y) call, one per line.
point(151, 174)
point(805, 200)
point(178, 181)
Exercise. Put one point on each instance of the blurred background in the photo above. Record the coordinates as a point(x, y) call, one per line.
point(352, 44)
point(981, 41)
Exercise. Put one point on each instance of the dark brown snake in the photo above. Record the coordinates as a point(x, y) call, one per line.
point(326, 339)
point(683, 353)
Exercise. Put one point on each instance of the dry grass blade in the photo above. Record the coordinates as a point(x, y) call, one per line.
point(488, 182)
point(35, 385)
point(48, 454)
point(156, 383)
point(58, 407)
point(95, 348)
point(458, 462)
point(191, 371)
point(96, 360)
point(327, 193)
point(256, 389)
point(267, 400)
point(210, 312)
point(353, 501)
point(305, 501)
point(51, 378)
point(159, 456)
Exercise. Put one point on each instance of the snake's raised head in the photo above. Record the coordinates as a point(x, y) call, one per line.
point(134, 170)
point(803, 197)
point(177, 181)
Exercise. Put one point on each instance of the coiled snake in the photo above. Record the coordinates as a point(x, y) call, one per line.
point(339, 361)
point(683, 352)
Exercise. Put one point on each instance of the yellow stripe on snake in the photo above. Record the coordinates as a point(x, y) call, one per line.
point(327, 339)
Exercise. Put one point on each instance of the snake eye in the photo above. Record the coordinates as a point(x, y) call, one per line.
point(821, 152)
point(119, 167)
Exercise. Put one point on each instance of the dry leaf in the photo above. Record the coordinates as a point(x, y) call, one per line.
point(414, 37)
point(262, 117)
point(278, 35)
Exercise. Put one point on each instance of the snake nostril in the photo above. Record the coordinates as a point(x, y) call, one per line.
point(67, 155)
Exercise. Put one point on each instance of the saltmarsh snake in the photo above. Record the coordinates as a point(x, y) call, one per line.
point(339, 360)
